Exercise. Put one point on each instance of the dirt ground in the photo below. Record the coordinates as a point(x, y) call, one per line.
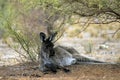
point(28, 71)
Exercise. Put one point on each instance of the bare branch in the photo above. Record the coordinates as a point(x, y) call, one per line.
point(85, 26)
point(115, 32)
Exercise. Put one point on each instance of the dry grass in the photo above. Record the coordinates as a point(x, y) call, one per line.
point(28, 71)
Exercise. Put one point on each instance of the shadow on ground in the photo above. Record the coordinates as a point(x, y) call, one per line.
point(29, 71)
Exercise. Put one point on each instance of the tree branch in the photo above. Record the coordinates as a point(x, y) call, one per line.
point(115, 32)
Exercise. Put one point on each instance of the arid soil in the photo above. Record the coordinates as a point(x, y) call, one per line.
point(29, 71)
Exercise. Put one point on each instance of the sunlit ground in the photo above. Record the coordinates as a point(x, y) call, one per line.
point(28, 71)
point(105, 49)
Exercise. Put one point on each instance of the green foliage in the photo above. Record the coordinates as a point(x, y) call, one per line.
point(7, 15)
point(8, 22)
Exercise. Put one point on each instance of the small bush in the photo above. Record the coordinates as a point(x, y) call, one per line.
point(26, 45)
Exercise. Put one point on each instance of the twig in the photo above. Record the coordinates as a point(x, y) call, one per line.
point(115, 32)
point(85, 26)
